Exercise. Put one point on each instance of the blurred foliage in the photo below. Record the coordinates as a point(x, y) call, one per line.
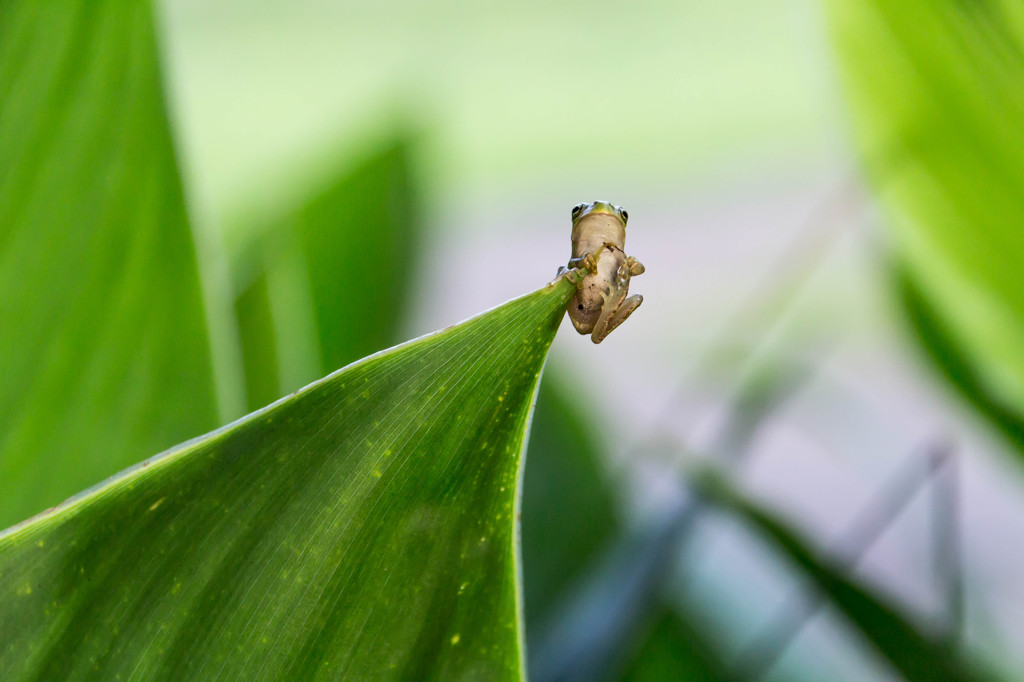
point(568, 509)
point(104, 354)
point(595, 588)
point(343, 260)
point(676, 649)
point(916, 655)
point(362, 528)
point(690, 86)
point(951, 361)
point(618, 612)
point(935, 88)
point(611, 609)
point(258, 339)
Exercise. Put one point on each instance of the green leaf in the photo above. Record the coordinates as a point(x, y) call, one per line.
point(328, 282)
point(915, 655)
point(100, 302)
point(675, 649)
point(362, 528)
point(935, 91)
point(568, 511)
point(950, 360)
point(570, 528)
point(259, 342)
point(619, 597)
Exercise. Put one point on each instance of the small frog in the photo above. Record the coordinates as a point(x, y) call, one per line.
point(600, 269)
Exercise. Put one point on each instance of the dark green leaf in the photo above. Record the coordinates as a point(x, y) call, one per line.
point(617, 598)
point(568, 509)
point(676, 650)
point(951, 361)
point(914, 654)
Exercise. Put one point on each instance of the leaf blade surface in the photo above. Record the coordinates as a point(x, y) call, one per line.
point(362, 528)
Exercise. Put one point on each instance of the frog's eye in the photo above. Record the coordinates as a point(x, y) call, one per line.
point(576, 210)
point(624, 214)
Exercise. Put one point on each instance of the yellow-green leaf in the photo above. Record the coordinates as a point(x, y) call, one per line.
point(936, 98)
point(104, 353)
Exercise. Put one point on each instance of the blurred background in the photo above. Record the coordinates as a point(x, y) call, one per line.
point(829, 201)
point(726, 129)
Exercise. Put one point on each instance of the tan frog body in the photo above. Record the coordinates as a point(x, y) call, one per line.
point(600, 269)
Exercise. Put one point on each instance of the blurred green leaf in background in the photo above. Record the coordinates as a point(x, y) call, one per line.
point(104, 351)
point(908, 647)
point(328, 282)
point(676, 650)
point(570, 531)
point(568, 506)
point(937, 105)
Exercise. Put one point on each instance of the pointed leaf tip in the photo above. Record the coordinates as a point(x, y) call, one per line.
point(362, 528)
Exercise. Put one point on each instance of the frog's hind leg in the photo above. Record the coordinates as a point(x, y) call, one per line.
point(610, 319)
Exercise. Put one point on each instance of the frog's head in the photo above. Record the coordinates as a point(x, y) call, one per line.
point(581, 211)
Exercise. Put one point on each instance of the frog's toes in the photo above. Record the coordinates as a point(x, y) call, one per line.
point(622, 275)
point(587, 260)
point(574, 275)
point(635, 266)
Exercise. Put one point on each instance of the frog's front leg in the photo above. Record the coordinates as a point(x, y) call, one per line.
point(587, 260)
point(612, 316)
point(575, 275)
